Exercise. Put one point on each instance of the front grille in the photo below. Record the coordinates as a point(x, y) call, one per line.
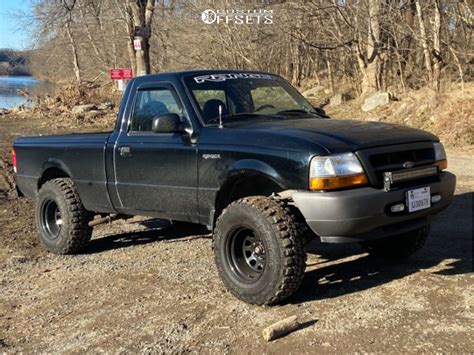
point(395, 160)
point(377, 161)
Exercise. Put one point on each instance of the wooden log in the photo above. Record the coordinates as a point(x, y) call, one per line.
point(281, 328)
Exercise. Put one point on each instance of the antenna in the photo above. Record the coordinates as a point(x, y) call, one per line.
point(220, 117)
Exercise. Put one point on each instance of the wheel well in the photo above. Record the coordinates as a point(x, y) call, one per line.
point(244, 185)
point(49, 174)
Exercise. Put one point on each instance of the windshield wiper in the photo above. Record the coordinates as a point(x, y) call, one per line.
point(302, 112)
point(294, 111)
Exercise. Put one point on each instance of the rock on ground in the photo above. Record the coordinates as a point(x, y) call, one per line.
point(376, 100)
point(106, 106)
point(338, 99)
point(79, 109)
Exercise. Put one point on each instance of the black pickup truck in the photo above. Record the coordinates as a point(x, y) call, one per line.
point(244, 154)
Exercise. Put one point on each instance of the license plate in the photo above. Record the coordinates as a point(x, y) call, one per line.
point(418, 199)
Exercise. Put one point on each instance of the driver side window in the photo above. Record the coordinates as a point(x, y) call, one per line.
point(152, 103)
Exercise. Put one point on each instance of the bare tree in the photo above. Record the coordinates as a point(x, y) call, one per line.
point(369, 61)
point(359, 45)
point(141, 17)
point(436, 45)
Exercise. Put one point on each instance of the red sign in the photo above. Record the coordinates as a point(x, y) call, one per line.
point(116, 74)
point(127, 73)
point(121, 73)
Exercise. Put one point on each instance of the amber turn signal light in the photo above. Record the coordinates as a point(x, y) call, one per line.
point(442, 164)
point(338, 182)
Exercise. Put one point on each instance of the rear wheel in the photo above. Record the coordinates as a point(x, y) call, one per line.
point(61, 219)
point(398, 246)
point(257, 251)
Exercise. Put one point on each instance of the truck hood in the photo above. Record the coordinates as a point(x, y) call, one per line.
point(340, 135)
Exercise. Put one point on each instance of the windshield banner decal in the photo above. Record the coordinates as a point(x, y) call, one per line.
point(223, 77)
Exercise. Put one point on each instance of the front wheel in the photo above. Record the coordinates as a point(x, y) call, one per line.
point(398, 246)
point(258, 254)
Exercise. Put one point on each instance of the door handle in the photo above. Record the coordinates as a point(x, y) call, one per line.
point(125, 151)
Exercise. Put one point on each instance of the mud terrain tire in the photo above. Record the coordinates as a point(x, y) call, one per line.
point(258, 254)
point(398, 246)
point(61, 219)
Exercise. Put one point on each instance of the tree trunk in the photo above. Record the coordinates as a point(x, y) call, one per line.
point(458, 64)
point(370, 81)
point(114, 47)
point(437, 46)
point(368, 55)
point(400, 64)
point(330, 74)
point(75, 59)
point(130, 48)
point(142, 15)
point(424, 41)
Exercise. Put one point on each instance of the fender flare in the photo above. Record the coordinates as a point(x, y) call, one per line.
point(240, 168)
point(53, 163)
point(255, 166)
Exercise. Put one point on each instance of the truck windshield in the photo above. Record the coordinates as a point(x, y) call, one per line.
point(244, 96)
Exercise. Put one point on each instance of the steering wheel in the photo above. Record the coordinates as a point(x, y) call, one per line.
point(264, 106)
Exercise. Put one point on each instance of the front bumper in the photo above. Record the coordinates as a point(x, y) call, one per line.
point(364, 214)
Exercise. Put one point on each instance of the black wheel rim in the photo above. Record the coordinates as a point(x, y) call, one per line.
point(51, 221)
point(246, 254)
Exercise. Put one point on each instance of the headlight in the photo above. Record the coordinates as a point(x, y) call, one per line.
point(336, 172)
point(440, 156)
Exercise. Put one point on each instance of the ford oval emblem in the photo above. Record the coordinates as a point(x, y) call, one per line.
point(408, 164)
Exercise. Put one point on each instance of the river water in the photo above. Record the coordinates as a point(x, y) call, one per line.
point(10, 87)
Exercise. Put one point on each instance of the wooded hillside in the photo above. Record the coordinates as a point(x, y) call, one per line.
point(367, 45)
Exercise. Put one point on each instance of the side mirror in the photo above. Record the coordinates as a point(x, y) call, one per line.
point(166, 123)
point(320, 111)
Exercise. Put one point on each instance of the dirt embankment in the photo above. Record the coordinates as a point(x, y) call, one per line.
point(450, 115)
point(142, 286)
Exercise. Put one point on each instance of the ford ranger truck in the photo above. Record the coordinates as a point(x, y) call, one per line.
point(245, 154)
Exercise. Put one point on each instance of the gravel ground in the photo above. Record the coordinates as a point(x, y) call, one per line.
point(143, 286)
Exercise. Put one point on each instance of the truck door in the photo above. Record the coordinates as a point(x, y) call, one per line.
point(155, 173)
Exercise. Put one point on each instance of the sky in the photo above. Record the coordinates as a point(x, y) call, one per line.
point(11, 36)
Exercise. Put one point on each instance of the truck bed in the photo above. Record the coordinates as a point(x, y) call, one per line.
point(81, 156)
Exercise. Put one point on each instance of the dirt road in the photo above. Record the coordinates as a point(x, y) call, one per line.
point(142, 286)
